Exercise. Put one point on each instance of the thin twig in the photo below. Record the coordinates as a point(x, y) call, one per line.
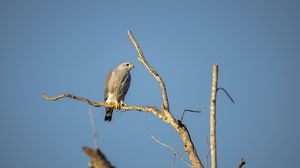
point(174, 158)
point(188, 110)
point(93, 125)
point(242, 163)
point(213, 146)
point(174, 151)
point(228, 95)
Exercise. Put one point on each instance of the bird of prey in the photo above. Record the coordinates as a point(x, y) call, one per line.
point(116, 86)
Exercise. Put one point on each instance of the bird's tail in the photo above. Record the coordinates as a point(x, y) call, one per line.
point(108, 115)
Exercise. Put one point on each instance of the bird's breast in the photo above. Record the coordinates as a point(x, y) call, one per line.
point(111, 98)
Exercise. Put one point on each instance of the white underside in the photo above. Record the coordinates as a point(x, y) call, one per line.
point(112, 99)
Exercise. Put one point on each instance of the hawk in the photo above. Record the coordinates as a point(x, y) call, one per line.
point(116, 86)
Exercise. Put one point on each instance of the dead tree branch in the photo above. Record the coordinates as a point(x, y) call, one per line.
point(165, 115)
point(149, 109)
point(98, 160)
point(174, 151)
point(213, 117)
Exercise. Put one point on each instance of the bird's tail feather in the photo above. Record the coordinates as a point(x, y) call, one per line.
point(108, 115)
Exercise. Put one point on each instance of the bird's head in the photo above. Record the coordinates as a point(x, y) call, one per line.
point(125, 66)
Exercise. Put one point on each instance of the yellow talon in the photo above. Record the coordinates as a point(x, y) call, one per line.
point(117, 106)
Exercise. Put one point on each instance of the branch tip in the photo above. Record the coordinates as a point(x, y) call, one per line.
point(227, 94)
point(188, 110)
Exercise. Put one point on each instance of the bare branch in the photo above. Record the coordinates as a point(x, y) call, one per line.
point(174, 151)
point(228, 95)
point(98, 160)
point(150, 109)
point(213, 99)
point(242, 163)
point(152, 71)
point(95, 135)
point(188, 110)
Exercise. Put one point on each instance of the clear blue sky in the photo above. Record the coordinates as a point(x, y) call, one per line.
point(69, 46)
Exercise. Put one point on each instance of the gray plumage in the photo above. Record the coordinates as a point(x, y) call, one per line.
point(116, 86)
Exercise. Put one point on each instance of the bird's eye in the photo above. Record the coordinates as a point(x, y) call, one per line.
point(127, 64)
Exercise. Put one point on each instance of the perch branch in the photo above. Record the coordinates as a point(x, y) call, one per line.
point(174, 151)
point(213, 117)
point(152, 71)
point(150, 109)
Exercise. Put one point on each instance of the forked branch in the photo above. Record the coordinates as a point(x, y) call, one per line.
point(165, 114)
